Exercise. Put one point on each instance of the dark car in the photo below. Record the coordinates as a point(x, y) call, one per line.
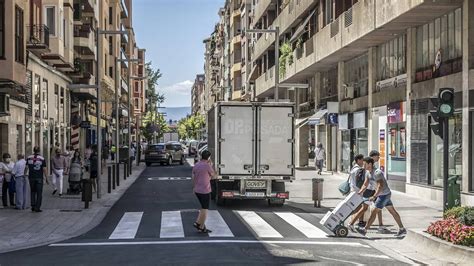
point(164, 153)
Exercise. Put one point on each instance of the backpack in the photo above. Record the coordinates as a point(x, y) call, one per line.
point(360, 178)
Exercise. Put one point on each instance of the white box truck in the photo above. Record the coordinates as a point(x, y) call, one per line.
point(252, 146)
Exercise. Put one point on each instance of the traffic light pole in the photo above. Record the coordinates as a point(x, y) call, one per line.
point(445, 162)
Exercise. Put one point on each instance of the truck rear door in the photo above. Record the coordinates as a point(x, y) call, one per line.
point(236, 140)
point(276, 145)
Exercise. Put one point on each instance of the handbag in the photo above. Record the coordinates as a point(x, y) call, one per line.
point(345, 187)
point(12, 185)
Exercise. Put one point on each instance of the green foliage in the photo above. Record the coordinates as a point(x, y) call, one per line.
point(464, 214)
point(153, 75)
point(286, 56)
point(189, 127)
point(154, 126)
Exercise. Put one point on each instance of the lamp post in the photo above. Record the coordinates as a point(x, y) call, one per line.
point(275, 31)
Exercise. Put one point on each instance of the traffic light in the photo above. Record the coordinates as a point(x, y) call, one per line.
point(446, 102)
point(435, 124)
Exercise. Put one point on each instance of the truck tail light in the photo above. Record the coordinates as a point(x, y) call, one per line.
point(282, 195)
point(227, 194)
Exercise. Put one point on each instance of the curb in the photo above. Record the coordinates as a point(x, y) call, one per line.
point(99, 212)
point(428, 244)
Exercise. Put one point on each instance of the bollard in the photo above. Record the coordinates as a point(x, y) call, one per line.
point(113, 176)
point(109, 179)
point(130, 164)
point(118, 174)
point(86, 192)
point(125, 171)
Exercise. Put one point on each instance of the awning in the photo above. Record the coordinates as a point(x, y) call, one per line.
point(300, 29)
point(299, 122)
point(84, 94)
point(316, 118)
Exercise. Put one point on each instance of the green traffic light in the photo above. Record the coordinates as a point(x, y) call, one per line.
point(445, 108)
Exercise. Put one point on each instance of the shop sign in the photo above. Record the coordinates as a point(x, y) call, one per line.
point(332, 119)
point(395, 82)
point(395, 113)
point(86, 124)
point(343, 121)
point(382, 150)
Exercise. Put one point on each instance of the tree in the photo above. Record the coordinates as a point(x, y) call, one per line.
point(154, 125)
point(154, 97)
point(191, 126)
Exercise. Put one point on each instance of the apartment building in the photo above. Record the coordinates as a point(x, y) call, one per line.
point(371, 67)
point(196, 91)
point(13, 82)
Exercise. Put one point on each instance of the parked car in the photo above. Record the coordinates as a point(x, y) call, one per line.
point(197, 157)
point(164, 153)
point(192, 147)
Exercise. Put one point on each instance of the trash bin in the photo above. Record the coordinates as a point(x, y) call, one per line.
point(454, 191)
point(317, 191)
point(124, 155)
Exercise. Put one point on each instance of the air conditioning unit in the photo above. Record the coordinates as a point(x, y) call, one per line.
point(4, 104)
point(348, 92)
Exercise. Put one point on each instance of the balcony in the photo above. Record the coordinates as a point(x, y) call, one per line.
point(265, 82)
point(287, 19)
point(84, 42)
point(124, 13)
point(38, 39)
point(124, 37)
point(83, 72)
point(261, 8)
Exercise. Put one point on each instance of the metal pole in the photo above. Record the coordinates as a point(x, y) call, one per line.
point(445, 162)
point(277, 62)
point(109, 179)
point(99, 113)
point(129, 72)
point(117, 117)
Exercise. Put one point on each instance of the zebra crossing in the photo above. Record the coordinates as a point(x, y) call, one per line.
point(173, 225)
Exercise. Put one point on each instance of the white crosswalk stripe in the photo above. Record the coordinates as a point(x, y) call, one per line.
point(128, 226)
point(302, 225)
point(171, 225)
point(258, 225)
point(216, 223)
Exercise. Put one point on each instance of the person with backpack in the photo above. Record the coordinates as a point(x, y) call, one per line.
point(358, 180)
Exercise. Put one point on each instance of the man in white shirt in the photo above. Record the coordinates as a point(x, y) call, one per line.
point(21, 182)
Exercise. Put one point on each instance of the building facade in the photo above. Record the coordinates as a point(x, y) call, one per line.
point(362, 82)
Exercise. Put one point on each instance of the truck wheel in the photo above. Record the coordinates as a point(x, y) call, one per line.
point(148, 164)
point(276, 202)
point(341, 231)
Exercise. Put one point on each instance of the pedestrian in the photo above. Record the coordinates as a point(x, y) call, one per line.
point(8, 193)
point(320, 155)
point(75, 172)
point(381, 198)
point(375, 155)
point(87, 155)
point(113, 150)
point(202, 174)
point(94, 167)
point(37, 174)
point(60, 166)
point(361, 182)
point(132, 153)
point(18, 173)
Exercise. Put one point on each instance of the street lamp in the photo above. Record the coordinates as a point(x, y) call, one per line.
point(275, 31)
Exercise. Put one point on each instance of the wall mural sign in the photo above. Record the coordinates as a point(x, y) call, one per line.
point(382, 150)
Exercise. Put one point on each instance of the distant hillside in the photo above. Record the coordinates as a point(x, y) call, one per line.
point(176, 113)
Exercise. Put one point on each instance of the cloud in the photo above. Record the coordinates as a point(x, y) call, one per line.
point(181, 88)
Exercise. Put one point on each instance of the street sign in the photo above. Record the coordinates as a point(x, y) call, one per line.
point(86, 124)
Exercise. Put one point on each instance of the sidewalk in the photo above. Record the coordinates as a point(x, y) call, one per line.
point(62, 217)
point(416, 214)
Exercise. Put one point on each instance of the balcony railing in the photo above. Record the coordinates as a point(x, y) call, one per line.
point(82, 31)
point(38, 36)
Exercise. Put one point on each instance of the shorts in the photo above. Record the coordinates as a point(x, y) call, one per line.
point(204, 199)
point(368, 193)
point(383, 201)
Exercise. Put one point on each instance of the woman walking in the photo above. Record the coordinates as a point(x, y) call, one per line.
point(75, 172)
point(202, 174)
point(320, 154)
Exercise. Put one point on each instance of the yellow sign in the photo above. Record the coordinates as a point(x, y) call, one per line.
point(93, 120)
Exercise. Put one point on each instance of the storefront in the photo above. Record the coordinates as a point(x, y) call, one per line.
point(325, 125)
point(354, 137)
point(396, 144)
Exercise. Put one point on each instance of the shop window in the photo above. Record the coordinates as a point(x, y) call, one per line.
point(455, 152)
point(439, 47)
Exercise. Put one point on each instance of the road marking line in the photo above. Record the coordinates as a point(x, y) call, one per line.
point(349, 244)
point(258, 225)
point(128, 226)
point(343, 261)
point(168, 178)
point(171, 224)
point(376, 256)
point(302, 225)
point(216, 223)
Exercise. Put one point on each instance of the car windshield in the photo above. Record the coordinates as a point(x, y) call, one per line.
point(158, 147)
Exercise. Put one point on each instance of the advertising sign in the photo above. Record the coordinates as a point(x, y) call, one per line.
point(382, 150)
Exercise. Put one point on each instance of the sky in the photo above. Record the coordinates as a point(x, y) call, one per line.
point(172, 32)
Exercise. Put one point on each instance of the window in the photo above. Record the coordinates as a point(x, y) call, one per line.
point(111, 45)
point(136, 103)
point(19, 38)
point(391, 58)
point(51, 19)
point(2, 31)
point(356, 75)
point(111, 71)
point(111, 21)
point(65, 33)
point(56, 100)
point(44, 98)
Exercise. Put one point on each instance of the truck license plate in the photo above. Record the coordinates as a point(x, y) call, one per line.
point(255, 194)
point(255, 184)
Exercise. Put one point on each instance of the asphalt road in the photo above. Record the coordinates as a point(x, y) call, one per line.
point(152, 224)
